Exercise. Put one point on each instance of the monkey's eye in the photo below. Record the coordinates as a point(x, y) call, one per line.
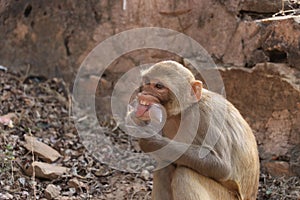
point(159, 85)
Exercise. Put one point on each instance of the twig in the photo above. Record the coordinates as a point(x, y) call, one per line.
point(124, 4)
point(33, 168)
point(69, 109)
point(278, 18)
point(131, 198)
point(293, 12)
point(26, 73)
point(147, 195)
point(12, 171)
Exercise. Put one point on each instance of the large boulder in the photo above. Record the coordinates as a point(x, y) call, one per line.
point(268, 96)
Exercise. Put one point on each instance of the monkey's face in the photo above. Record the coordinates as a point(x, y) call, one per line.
point(151, 92)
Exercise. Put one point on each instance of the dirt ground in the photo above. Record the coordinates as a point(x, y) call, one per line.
point(41, 109)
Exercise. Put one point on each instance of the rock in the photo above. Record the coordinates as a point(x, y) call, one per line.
point(278, 128)
point(65, 41)
point(268, 96)
point(22, 181)
point(261, 6)
point(215, 40)
point(52, 191)
point(78, 185)
point(220, 26)
point(243, 44)
point(7, 119)
point(278, 168)
point(295, 159)
point(45, 152)
point(145, 174)
point(264, 41)
point(45, 170)
point(256, 7)
point(280, 41)
point(6, 196)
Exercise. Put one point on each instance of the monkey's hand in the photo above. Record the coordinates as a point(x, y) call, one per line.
point(151, 144)
point(140, 128)
point(189, 156)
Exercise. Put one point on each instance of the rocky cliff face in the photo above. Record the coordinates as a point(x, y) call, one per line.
point(57, 35)
point(51, 38)
point(268, 96)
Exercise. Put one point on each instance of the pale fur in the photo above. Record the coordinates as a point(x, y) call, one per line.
point(230, 171)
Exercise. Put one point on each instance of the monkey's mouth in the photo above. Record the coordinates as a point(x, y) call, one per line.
point(142, 108)
point(145, 101)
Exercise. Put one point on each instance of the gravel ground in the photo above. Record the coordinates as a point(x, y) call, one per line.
point(41, 108)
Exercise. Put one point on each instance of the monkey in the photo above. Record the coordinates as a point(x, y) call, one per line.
point(228, 170)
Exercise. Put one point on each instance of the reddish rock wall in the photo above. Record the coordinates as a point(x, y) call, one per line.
point(268, 96)
point(57, 35)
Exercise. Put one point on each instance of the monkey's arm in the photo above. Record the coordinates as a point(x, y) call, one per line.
point(216, 164)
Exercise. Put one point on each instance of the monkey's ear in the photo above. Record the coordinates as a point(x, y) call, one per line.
point(197, 89)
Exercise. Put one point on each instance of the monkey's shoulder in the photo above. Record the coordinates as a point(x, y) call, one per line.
point(216, 102)
point(222, 114)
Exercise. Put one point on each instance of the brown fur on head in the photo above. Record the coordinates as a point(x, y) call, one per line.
point(177, 78)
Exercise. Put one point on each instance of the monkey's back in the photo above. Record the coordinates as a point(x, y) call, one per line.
point(237, 134)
